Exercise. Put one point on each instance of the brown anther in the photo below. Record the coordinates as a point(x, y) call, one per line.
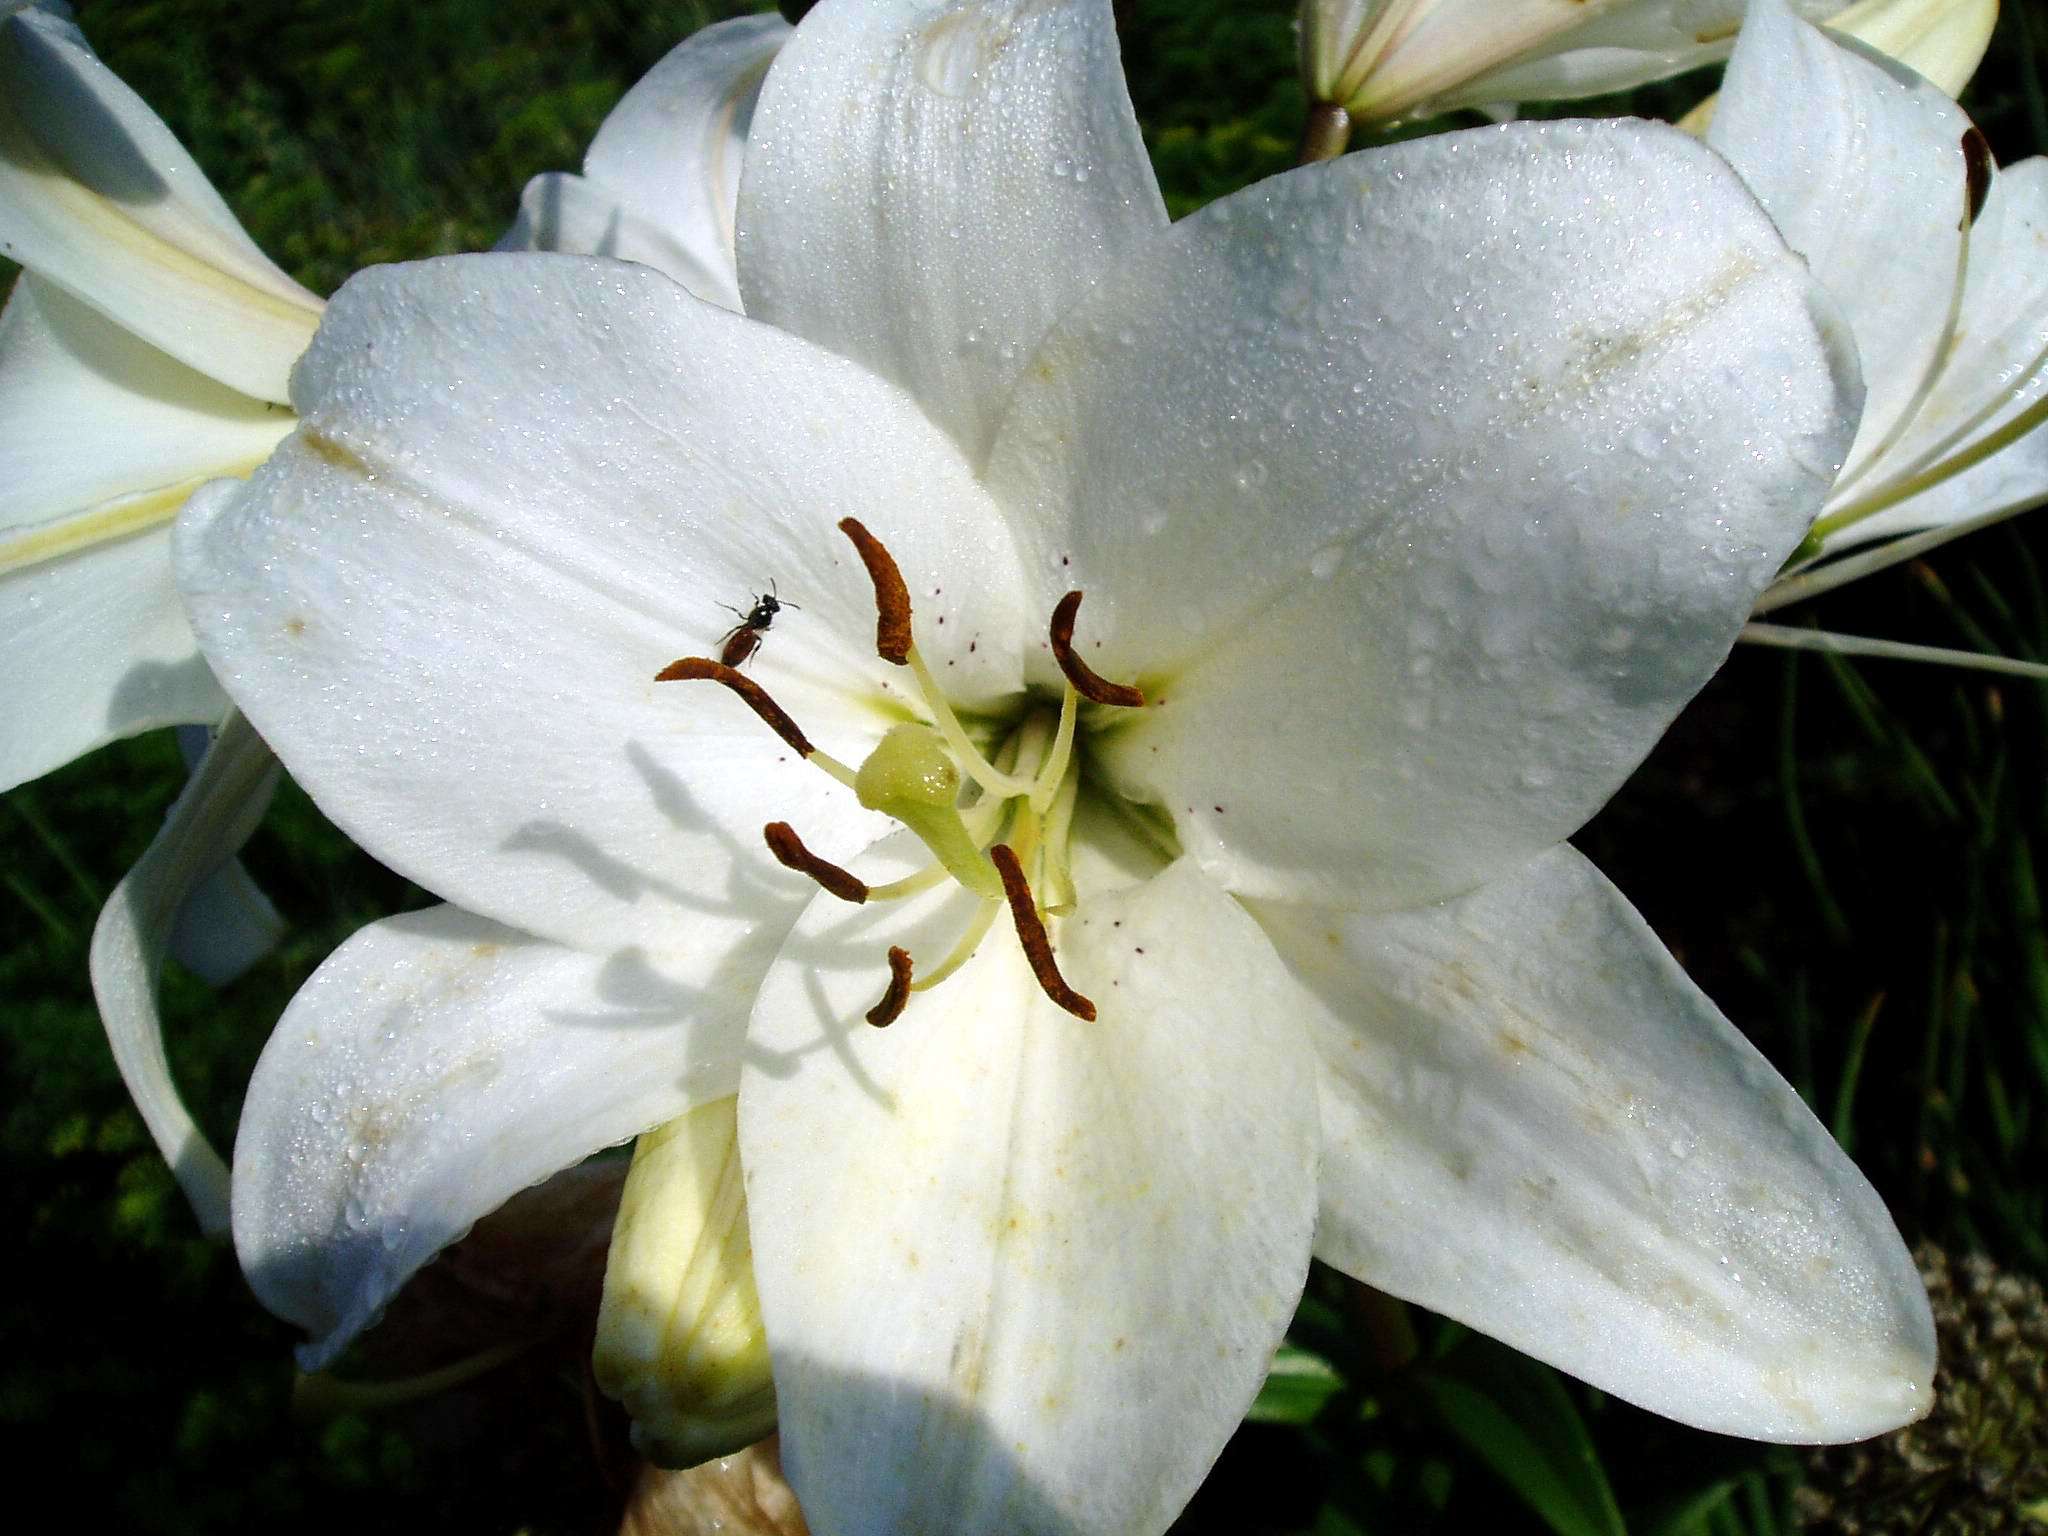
point(703, 668)
point(1031, 934)
point(892, 597)
point(1976, 173)
point(790, 852)
point(1096, 689)
point(885, 1013)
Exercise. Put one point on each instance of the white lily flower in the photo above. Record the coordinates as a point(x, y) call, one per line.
point(1393, 60)
point(1414, 502)
point(145, 351)
point(1937, 261)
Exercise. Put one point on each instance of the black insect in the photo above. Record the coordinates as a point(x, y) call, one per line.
point(744, 638)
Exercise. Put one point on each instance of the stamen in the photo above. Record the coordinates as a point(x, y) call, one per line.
point(1095, 689)
point(1053, 772)
point(910, 885)
point(1976, 173)
point(1031, 934)
point(962, 952)
point(892, 597)
point(890, 1008)
point(1055, 871)
point(790, 852)
point(978, 768)
point(704, 669)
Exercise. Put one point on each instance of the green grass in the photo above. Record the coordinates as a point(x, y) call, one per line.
point(1849, 857)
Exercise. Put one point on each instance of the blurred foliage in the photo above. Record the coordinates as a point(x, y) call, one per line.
point(1849, 857)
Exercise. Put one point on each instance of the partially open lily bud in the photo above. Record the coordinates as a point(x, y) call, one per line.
point(679, 1337)
point(1941, 40)
point(1386, 61)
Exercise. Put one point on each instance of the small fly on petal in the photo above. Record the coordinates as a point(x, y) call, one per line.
point(744, 638)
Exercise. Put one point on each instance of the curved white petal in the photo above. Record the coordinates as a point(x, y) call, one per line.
point(1863, 170)
point(577, 217)
point(930, 182)
point(103, 433)
point(1992, 383)
point(525, 484)
point(1420, 482)
point(434, 1066)
point(1023, 1273)
point(1534, 1123)
point(661, 182)
point(97, 649)
point(227, 924)
point(220, 807)
point(98, 197)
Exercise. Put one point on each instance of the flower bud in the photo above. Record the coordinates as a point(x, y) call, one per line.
point(1941, 40)
point(1386, 61)
point(680, 1343)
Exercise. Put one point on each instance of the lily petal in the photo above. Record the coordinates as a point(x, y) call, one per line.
point(105, 434)
point(661, 182)
point(1023, 1273)
point(97, 650)
point(982, 157)
point(1437, 638)
point(460, 473)
point(434, 1066)
point(1862, 168)
point(220, 807)
point(98, 196)
point(227, 924)
point(1533, 1122)
point(1992, 383)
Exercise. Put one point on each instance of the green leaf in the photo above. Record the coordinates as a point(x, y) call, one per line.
point(1517, 1417)
point(1296, 1388)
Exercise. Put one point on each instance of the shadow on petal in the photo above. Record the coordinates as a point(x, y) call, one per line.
point(937, 1466)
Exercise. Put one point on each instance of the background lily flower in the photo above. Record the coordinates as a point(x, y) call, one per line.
point(662, 178)
point(146, 350)
point(1392, 60)
point(1937, 260)
point(1415, 505)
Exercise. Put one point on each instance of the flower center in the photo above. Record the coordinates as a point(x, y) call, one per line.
point(997, 825)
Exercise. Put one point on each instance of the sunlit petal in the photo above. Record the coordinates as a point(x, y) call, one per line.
point(981, 157)
point(1534, 1123)
point(525, 484)
point(1023, 1273)
point(1436, 540)
point(1863, 171)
